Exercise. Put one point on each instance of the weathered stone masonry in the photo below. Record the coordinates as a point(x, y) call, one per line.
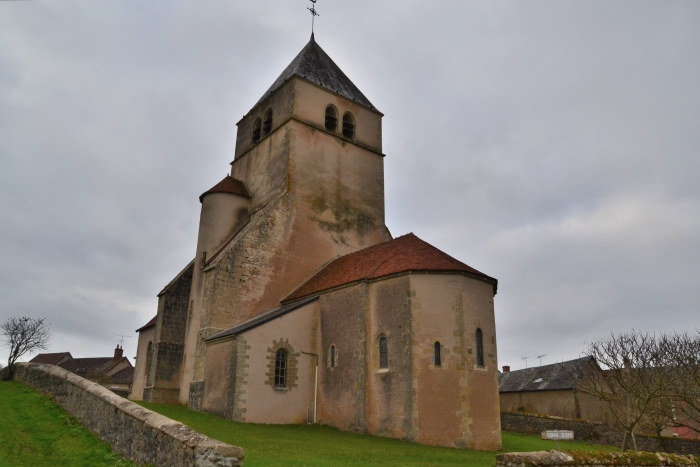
point(139, 434)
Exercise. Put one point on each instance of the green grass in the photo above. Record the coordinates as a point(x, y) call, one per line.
point(34, 431)
point(321, 446)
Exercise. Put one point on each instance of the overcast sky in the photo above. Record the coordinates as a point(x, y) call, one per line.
point(553, 145)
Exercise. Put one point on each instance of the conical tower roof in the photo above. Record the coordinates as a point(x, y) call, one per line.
point(313, 64)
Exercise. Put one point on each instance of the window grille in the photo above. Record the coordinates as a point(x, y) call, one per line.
point(383, 352)
point(267, 123)
point(331, 119)
point(281, 369)
point(437, 354)
point(348, 126)
point(256, 131)
point(479, 348)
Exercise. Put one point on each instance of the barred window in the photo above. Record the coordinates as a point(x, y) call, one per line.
point(267, 122)
point(331, 118)
point(479, 348)
point(348, 126)
point(281, 369)
point(437, 354)
point(256, 131)
point(383, 352)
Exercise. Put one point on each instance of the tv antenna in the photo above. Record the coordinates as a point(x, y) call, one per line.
point(525, 358)
point(121, 341)
point(314, 14)
point(540, 357)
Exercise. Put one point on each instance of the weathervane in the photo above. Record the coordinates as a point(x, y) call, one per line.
point(313, 13)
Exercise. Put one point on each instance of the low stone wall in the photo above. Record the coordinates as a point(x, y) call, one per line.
point(593, 432)
point(137, 433)
point(597, 459)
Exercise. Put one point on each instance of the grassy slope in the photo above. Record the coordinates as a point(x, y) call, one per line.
point(320, 446)
point(34, 431)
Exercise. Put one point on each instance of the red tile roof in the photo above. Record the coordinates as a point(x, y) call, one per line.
point(228, 185)
point(403, 254)
point(51, 358)
point(148, 324)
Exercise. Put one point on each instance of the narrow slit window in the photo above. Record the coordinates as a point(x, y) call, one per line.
point(479, 348)
point(383, 352)
point(267, 123)
point(256, 131)
point(281, 369)
point(348, 126)
point(334, 356)
point(331, 119)
point(438, 360)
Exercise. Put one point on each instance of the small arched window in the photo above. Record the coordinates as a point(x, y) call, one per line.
point(256, 131)
point(331, 118)
point(348, 126)
point(333, 356)
point(383, 352)
point(438, 360)
point(267, 122)
point(281, 369)
point(479, 348)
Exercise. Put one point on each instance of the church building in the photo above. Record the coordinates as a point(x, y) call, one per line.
point(300, 307)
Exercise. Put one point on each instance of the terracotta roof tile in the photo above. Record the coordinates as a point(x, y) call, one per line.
point(406, 253)
point(51, 358)
point(148, 324)
point(228, 185)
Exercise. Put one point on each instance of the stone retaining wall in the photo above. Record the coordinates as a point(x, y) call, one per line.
point(594, 459)
point(137, 433)
point(593, 432)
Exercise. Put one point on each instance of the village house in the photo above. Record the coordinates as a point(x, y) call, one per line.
point(299, 306)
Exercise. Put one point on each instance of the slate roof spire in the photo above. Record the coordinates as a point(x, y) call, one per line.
point(313, 64)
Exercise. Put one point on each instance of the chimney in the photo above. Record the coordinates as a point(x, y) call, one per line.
point(506, 369)
point(118, 352)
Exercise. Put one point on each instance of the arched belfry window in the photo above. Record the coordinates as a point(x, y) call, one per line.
point(281, 369)
point(348, 126)
point(479, 348)
point(267, 122)
point(333, 356)
point(438, 360)
point(331, 118)
point(256, 131)
point(383, 352)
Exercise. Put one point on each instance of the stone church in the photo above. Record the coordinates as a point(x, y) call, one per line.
point(299, 307)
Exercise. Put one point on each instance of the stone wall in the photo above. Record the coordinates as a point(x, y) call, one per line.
point(597, 459)
point(594, 433)
point(137, 433)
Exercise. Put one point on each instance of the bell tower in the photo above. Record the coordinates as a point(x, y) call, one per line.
point(309, 159)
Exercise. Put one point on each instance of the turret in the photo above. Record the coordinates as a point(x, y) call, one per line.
point(224, 210)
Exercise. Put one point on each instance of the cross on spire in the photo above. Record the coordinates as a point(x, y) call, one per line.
point(313, 14)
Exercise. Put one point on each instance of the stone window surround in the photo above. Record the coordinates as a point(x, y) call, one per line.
point(292, 364)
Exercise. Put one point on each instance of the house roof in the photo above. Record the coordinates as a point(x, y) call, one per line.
point(261, 319)
point(543, 378)
point(152, 322)
point(403, 254)
point(50, 358)
point(228, 185)
point(125, 376)
point(84, 366)
point(314, 65)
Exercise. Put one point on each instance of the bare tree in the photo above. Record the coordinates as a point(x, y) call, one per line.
point(23, 335)
point(632, 379)
point(686, 375)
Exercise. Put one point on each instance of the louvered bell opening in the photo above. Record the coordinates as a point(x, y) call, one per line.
point(331, 118)
point(267, 124)
point(256, 131)
point(348, 126)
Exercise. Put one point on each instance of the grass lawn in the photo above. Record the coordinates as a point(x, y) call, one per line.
point(321, 446)
point(34, 431)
